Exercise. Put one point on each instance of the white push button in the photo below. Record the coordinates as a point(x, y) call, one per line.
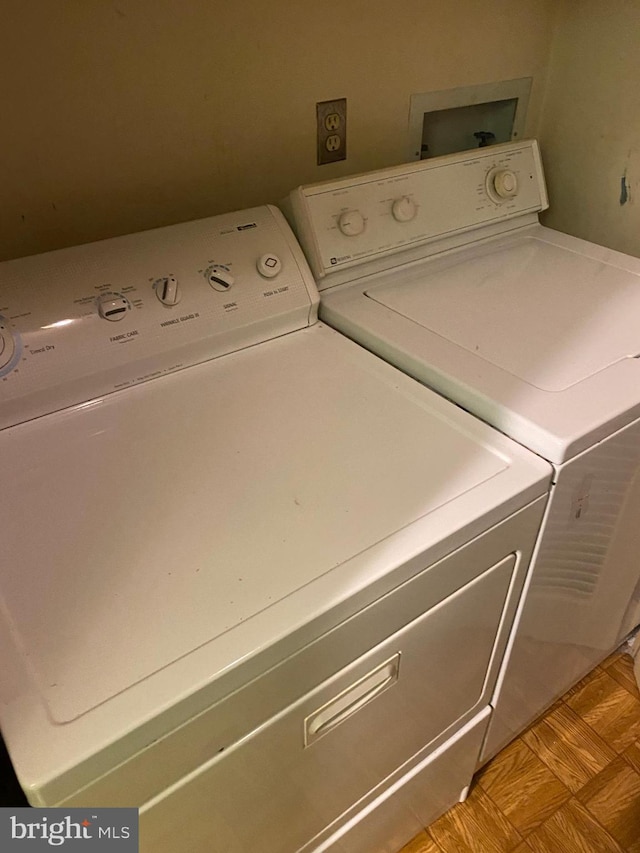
point(269, 266)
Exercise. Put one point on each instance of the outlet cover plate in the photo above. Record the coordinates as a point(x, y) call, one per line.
point(331, 119)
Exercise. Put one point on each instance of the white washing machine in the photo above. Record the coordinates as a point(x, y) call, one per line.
point(442, 268)
point(255, 581)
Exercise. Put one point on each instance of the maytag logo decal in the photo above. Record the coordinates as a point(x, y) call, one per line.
point(36, 829)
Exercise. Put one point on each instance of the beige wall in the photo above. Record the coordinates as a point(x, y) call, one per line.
point(124, 115)
point(590, 129)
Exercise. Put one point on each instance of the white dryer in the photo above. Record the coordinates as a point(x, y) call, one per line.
point(255, 581)
point(442, 268)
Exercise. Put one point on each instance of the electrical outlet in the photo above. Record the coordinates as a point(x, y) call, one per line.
point(332, 130)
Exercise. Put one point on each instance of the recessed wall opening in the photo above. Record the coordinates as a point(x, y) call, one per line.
point(468, 117)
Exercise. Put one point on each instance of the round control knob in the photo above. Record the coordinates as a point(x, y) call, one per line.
point(502, 184)
point(10, 348)
point(351, 223)
point(269, 266)
point(505, 183)
point(403, 209)
point(7, 348)
point(112, 306)
point(219, 277)
point(168, 290)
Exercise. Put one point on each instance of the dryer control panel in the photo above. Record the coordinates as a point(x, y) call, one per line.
point(82, 322)
point(353, 221)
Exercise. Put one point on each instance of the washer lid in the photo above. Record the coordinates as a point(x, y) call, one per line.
point(541, 312)
point(210, 512)
point(537, 333)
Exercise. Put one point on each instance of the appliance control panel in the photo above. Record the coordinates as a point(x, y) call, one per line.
point(82, 322)
point(352, 221)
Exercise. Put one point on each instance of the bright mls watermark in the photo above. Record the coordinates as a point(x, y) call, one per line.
point(69, 829)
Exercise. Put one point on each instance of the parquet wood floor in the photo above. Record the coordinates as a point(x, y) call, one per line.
point(569, 784)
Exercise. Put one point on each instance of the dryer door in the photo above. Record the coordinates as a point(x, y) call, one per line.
point(319, 763)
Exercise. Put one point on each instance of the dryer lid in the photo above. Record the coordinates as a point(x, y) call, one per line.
point(220, 507)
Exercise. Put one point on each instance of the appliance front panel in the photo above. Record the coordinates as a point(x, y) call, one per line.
point(436, 675)
point(299, 669)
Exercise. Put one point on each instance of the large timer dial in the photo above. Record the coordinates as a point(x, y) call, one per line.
point(8, 346)
point(502, 184)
